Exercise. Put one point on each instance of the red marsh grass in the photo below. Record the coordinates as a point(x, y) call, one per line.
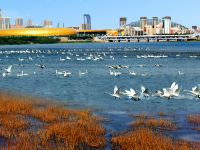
point(153, 123)
point(146, 139)
point(61, 128)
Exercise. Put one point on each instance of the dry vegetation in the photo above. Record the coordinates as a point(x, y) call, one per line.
point(195, 121)
point(26, 124)
point(146, 139)
point(149, 133)
point(160, 124)
point(29, 124)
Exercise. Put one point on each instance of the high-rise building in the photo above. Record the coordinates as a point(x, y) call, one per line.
point(87, 21)
point(155, 22)
point(1, 21)
point(0, 14)
point(47, 23)
point(82, 27)
point(167, 24)
point(29, 23)
point(6, 23)
point(19, 23)
point(122, 21)
point(143, 23)
point(194, 27)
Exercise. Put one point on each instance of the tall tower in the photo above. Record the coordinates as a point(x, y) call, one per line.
point(29, 23)
point(1, 21)
point(19, 23)
point(87, 21)
point(143, 23)
point(0, 14)
point(7, 23)
point(122, 21)
point(155, 22)
point(47, 23)
point(167, 24)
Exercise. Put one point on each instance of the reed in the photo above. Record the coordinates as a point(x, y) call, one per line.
point(152, 123)
point(25, 123)
point(146, 139)
point(194, 119)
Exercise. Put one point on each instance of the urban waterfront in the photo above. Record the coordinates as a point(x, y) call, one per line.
point(155, 66)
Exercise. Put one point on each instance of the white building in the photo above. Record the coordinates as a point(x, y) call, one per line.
point(167, 24)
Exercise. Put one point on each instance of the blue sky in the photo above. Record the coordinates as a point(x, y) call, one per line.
point(105, 13)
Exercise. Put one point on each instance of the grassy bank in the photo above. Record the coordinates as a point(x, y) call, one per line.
point(28, 40)
point(29, 123)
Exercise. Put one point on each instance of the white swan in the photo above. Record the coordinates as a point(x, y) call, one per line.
point(22, 74)
point(132, 73)
point(173, 91)
point(116, 92)
point(114, 73)
point(59, 72)
point(66, 74)
point(131, 94)
point(62, 59)
point(68, 58)
point(144, 91)
point(7, 71)
point(83, 72)
point(195, 91)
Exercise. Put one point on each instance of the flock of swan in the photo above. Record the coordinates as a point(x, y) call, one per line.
point(8, 71)
point(114, 70)
point(169, 93)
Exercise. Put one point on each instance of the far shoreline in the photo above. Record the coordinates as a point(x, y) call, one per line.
point(93, 42)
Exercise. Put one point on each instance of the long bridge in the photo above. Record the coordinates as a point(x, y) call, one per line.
point(150, 38)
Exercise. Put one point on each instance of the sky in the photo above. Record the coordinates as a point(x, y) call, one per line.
point(105, 14)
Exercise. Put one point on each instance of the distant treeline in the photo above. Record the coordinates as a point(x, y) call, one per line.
point(81, 37)
point(28, 40)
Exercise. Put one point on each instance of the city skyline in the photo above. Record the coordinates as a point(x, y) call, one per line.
point(70, 13)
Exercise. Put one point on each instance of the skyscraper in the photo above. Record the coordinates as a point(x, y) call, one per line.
point(1, 21)
point(19, 23)
point(122, 21)
point(167, 24)
point(155, 22)
point(143, 23)
point(47, 23)
point(6, 23)
point(29, 23)
point(87, 21)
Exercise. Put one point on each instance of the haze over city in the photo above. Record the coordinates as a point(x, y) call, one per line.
point(105, 13)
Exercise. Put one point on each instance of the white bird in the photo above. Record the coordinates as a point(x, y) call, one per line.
point(81, 59)
point(173, 91)
point(22, 74)
point(59, 72)
point(144, 91)
point(158, 93)
point(116, 92)
point(68, 58)
point(82, 73)
point(180, 73)
point(30, 58)
point(114, 73)
point(66, 74)
point(132, 73)
point(7, 71)
point(62, 59)
point(195, 91)
point(131, 94)
point(20, 59)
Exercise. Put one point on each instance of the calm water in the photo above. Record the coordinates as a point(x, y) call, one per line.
point(88, 91)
